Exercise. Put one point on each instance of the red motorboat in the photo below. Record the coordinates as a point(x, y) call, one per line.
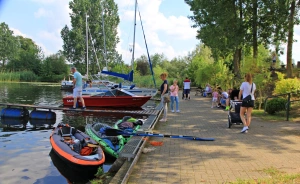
point(112, 98)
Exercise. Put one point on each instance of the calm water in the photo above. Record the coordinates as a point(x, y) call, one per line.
point(25, 150)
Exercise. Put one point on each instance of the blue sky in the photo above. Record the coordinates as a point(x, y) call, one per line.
point(167, 28)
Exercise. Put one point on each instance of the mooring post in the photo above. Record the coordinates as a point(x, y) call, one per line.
point(288, 107)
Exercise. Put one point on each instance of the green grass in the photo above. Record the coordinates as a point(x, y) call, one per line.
point(276, 177)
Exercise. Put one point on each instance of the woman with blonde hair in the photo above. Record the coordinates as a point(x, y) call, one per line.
point(164, 94)
point(247, 89)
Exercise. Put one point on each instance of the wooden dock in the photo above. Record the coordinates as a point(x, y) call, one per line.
point(140, 112)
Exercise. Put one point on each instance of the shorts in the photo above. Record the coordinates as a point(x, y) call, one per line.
point(251, 104)
point(186, 91)
point(77, 92)
point(274, 61)
point(214, 99)
point(223, 101)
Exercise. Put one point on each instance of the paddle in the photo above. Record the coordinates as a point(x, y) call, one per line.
point(115, 132)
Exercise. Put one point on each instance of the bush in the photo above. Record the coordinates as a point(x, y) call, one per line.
point(28, 76)
point(275, 105)
point(287, 86)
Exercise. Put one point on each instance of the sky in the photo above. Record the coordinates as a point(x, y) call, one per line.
point(167, 28)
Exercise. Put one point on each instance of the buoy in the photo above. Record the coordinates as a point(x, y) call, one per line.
point(37, 114)
point(14, 113)
point(42, 121)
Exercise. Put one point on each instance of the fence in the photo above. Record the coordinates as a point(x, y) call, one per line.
point(287, 105)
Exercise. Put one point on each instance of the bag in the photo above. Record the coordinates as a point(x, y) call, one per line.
point(247, 101)
point(166, 98)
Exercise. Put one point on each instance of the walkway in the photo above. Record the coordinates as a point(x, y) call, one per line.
point(231, 156)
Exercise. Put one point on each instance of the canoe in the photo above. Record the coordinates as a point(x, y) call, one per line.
point(111, 145)
point(128, 123)
point(76, 148)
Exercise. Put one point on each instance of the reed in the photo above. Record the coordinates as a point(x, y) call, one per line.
point(24, 76)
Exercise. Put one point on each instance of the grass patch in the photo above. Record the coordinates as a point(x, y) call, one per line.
point(276, 176)
point(294, 115)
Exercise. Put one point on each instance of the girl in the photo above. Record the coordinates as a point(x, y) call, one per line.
point(174, 96)
point(215, 96)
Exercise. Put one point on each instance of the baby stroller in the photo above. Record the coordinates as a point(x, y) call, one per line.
point(234, 113)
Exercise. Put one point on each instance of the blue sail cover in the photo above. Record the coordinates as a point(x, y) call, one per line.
point(128, 77)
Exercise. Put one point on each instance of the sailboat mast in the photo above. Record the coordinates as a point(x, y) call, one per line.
point(87, 50)
point(105, 52)
point(134, 27)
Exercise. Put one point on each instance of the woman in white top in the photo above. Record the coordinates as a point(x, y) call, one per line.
point(247, 88)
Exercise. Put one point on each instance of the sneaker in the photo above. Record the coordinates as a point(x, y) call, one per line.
point(178, 111)
point(244, 129)
point(83, 107)
point(163, 120)
point(72, 108)
point(172, 110)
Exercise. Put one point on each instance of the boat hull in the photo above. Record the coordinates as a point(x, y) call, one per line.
point(72, 158)
point(109, 101)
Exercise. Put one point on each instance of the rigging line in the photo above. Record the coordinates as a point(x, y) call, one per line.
point(149, 59)
point(94, 48)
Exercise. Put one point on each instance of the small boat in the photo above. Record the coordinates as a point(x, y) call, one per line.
point(112, 98)
point(76, 148)
point(111, 145)
point(130, 124)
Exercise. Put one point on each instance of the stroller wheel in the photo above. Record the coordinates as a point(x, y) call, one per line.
point(229, 122)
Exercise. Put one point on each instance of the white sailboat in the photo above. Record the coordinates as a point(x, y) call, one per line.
point(107, 85)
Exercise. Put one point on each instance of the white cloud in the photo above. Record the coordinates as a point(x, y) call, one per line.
point(160, 30)
point(18, 32)
point(43, 13)
point(43, 1)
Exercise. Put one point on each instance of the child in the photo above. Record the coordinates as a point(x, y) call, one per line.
point(174, 95)
point(215, 96)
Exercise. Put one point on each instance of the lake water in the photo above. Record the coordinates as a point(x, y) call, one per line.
point(25, 149)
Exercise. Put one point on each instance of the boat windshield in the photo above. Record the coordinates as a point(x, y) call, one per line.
point(117, 92)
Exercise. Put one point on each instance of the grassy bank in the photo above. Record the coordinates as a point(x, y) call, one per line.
point(28, 76)
point(275, 176)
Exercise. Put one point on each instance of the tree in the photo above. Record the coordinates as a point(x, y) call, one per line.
point(28, 56)
point(75, 39)
point(8, 45)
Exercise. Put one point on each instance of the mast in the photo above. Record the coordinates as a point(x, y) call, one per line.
point(134, 27)
point(87, 50)
point(105, 52)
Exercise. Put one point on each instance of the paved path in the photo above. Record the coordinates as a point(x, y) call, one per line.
point(231, 156)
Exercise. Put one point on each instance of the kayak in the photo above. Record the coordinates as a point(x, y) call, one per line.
point(76, 148)
point(111, 145)
point(128, 123)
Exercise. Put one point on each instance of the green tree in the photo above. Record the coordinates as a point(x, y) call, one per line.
point(8, 47)
point(28, 57)
point(75, 38)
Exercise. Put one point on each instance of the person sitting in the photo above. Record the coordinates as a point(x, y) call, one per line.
point(224, 96)
point(207, 90)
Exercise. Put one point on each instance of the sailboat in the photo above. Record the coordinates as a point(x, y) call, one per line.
point(126, 77)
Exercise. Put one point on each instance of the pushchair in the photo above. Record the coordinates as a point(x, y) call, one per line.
point(234, 113)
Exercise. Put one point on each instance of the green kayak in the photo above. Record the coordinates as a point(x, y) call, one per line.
point(111, 145)
point(128, 123)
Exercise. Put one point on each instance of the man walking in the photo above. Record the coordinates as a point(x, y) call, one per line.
point(77, 88)
point(187, 88)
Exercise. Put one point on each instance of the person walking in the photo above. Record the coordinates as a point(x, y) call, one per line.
point(174, 95)
point(77, 88)
point(247, 88)
point(164, 94)
point(187, 88)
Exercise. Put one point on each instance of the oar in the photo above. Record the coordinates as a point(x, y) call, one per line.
point(115, 132)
